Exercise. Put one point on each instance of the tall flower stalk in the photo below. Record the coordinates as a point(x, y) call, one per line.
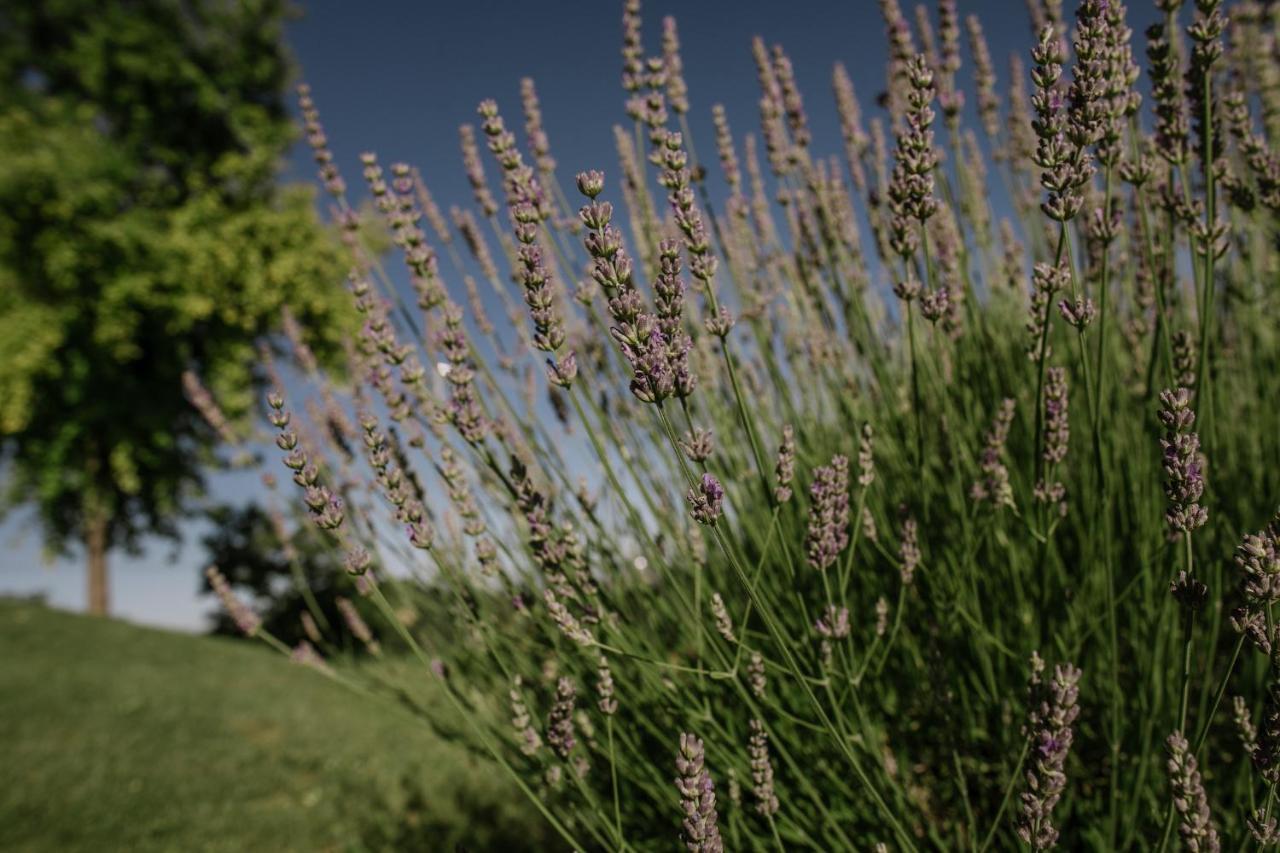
point(543, 464)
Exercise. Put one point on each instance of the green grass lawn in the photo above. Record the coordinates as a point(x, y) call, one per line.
point(115, 737)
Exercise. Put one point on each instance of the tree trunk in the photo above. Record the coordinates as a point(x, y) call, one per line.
point(95, 541)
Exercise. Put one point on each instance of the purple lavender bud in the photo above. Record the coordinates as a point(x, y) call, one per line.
point(421, 535)
point(1057, 422)
point(356, 625)
point(1053, 710)
point(357, 560)
point(719, 324)
point(305, 654)
point(604, 244)
point(706, 502)
point(698, 445)
point(591, 183)
point(907, 290)
point(1195, 824)
point(762, 771)
point(1046, 281)
point(725, 151)
point(1183, 463)
point(566, 621)
point(319, 143)
point(1258, 559)
point(560, 729)
point(1184, 358)
point(866, 456)
point(785, 468)
point(994, 485)
point(909, 551)
point(756, 675)
point(241, 614)
point(310, 628)
point(1245, 729)
point(1189, 591)
point(536, 133)
point(828, 532)
point(562, 372)
point(526, 735)
point(1266, 754)
point(984, 77)
point(1263, 827)
point(203, 402)
point(697, 798)
point(724, 624)
point(604, 689)
point(833, 623)
point(936, 304)
point(1079, 313)
point(677, 91)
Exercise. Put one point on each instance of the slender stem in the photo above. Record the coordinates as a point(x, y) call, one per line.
point(1008, 794)
point(389, 614)
point(915, 391)
point(613, 775)
point(1187, 649)
point(783, 644)
point(1211, 217)
point(1102, 296)
point(1217, 697)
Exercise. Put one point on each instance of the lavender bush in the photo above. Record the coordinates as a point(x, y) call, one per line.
point(663, 575)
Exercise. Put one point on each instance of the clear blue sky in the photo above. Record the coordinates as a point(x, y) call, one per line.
point(399, 77)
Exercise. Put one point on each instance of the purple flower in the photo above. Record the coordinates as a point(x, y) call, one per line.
point(833, 623)
point(560, 731)
point(697, 798)
point(762, 771)
point(564, 371)
point(785, 468)
point(241, 614)
point(356, 625)
point(994, 485)
point(706, 501)
point(828, 533)
point(1183, 470)
point(1050, 719)
point(1195, 824)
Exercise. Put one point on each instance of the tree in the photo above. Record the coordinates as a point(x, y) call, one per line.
point(142, 234)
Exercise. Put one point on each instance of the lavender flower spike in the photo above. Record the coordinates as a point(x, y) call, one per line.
point(706, 501)
point(829, 513)
point(785, 470)
point(724, 623)
point(560, 731)
point(697, 798)
point(526, 735)
point(244, 617)
point(1049, 726)
point(1183, 464)
point(357, 626)
point(762, 771)
point(833, 623)
point(1195, 824)
point(756, 675)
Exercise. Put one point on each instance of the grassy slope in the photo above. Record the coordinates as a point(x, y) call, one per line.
point(115, 737)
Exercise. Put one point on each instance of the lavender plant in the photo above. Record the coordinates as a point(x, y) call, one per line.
point(618, 572)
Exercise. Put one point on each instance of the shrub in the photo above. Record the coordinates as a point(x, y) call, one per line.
point(770, 556)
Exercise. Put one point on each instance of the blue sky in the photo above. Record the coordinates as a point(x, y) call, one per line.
point(399, 77)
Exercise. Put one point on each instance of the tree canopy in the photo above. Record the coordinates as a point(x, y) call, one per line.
point(143, 233)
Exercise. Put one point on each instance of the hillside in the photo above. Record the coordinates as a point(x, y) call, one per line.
point(116, 737)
